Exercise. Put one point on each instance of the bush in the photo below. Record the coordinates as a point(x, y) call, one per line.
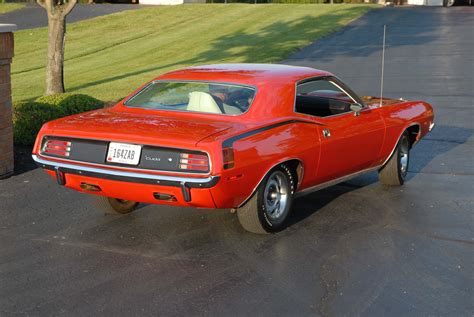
point(29, 117)
point(72, 103)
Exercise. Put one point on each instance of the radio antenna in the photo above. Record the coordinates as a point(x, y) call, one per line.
point(383, 64)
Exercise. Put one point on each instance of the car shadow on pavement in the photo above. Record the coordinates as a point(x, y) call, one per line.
point(442, 139)
point(305, 206)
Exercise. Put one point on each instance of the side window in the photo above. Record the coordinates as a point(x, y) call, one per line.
point(322, 98)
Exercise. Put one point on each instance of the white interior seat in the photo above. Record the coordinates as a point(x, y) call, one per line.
point(202, 102)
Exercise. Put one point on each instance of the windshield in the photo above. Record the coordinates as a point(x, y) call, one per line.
point(194, 96)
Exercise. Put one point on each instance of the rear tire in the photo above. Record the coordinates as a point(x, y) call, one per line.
point(268, 209)
point(113, 206)
point(394, 172)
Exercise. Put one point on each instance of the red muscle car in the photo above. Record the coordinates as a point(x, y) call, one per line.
point(249, 137)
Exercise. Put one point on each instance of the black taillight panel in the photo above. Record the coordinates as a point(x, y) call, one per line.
point(159, 159)
point(88, 151)
point(152, 158)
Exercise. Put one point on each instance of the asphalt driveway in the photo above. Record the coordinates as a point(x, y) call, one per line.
point(34, 16)
point(357, 248)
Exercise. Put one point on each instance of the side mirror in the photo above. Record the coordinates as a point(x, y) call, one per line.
point(357, 108)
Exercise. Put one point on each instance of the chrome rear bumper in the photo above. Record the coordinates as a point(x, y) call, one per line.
point(185, 183)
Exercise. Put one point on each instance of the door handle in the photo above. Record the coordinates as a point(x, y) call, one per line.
point(326, 133)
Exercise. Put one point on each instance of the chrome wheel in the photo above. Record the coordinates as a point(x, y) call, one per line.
point(276, 195)
point(404, 152)
point(269, 208)
point(395, 170)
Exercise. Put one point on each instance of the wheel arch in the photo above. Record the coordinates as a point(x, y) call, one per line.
point(414, 131)
point(296, 167)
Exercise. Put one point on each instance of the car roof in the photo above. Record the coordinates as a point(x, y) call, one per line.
point(248, 74)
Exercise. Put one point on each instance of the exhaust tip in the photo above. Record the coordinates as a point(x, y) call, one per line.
point(165, 197)
point(90, 187)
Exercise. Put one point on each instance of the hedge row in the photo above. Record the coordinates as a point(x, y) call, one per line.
point(29, 116)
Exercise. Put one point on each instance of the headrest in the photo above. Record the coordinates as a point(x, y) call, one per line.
point(202, 102)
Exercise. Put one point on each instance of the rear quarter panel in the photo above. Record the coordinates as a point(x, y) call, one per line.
point(257, 154)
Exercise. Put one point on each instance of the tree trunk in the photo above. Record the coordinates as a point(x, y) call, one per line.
point(55, 64)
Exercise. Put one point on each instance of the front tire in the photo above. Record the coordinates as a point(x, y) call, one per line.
point(114, 206)
point(394, 172)
point(268, 209)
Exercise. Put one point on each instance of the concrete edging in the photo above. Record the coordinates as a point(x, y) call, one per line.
point(7, 28)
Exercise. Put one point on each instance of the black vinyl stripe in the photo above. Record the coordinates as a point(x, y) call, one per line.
point(230, 141)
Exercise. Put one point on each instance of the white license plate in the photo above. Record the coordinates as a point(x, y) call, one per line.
point(124, 153)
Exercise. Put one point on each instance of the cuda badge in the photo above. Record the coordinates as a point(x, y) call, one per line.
point(148, 158)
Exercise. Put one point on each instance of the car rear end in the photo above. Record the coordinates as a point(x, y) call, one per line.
point(162, 145)
point(128, 171)
point(134, 156)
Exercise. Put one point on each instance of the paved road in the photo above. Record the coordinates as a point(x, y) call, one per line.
point(34, 16)
point(354, 249)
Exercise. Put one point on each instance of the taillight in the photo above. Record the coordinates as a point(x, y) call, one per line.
point(194, 162)
point(56, 147)
point(228, 157)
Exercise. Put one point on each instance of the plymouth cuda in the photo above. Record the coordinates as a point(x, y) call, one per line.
point(245, 137)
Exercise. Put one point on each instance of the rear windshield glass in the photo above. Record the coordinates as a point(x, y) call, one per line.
point(194, 96)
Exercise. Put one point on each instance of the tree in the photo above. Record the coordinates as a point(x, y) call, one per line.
point(57, 11)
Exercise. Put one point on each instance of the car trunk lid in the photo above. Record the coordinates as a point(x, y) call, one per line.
point(152, 129)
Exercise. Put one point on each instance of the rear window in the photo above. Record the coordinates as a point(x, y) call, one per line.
point(194, 97)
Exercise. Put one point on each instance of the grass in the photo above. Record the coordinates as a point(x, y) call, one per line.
point(7, 7)
point(107, 57)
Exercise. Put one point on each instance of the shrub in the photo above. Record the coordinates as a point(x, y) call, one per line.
point(28, 117)
point(72, 103)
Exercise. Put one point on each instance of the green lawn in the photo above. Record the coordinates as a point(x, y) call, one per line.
point(7, 7)
point(108, 57)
